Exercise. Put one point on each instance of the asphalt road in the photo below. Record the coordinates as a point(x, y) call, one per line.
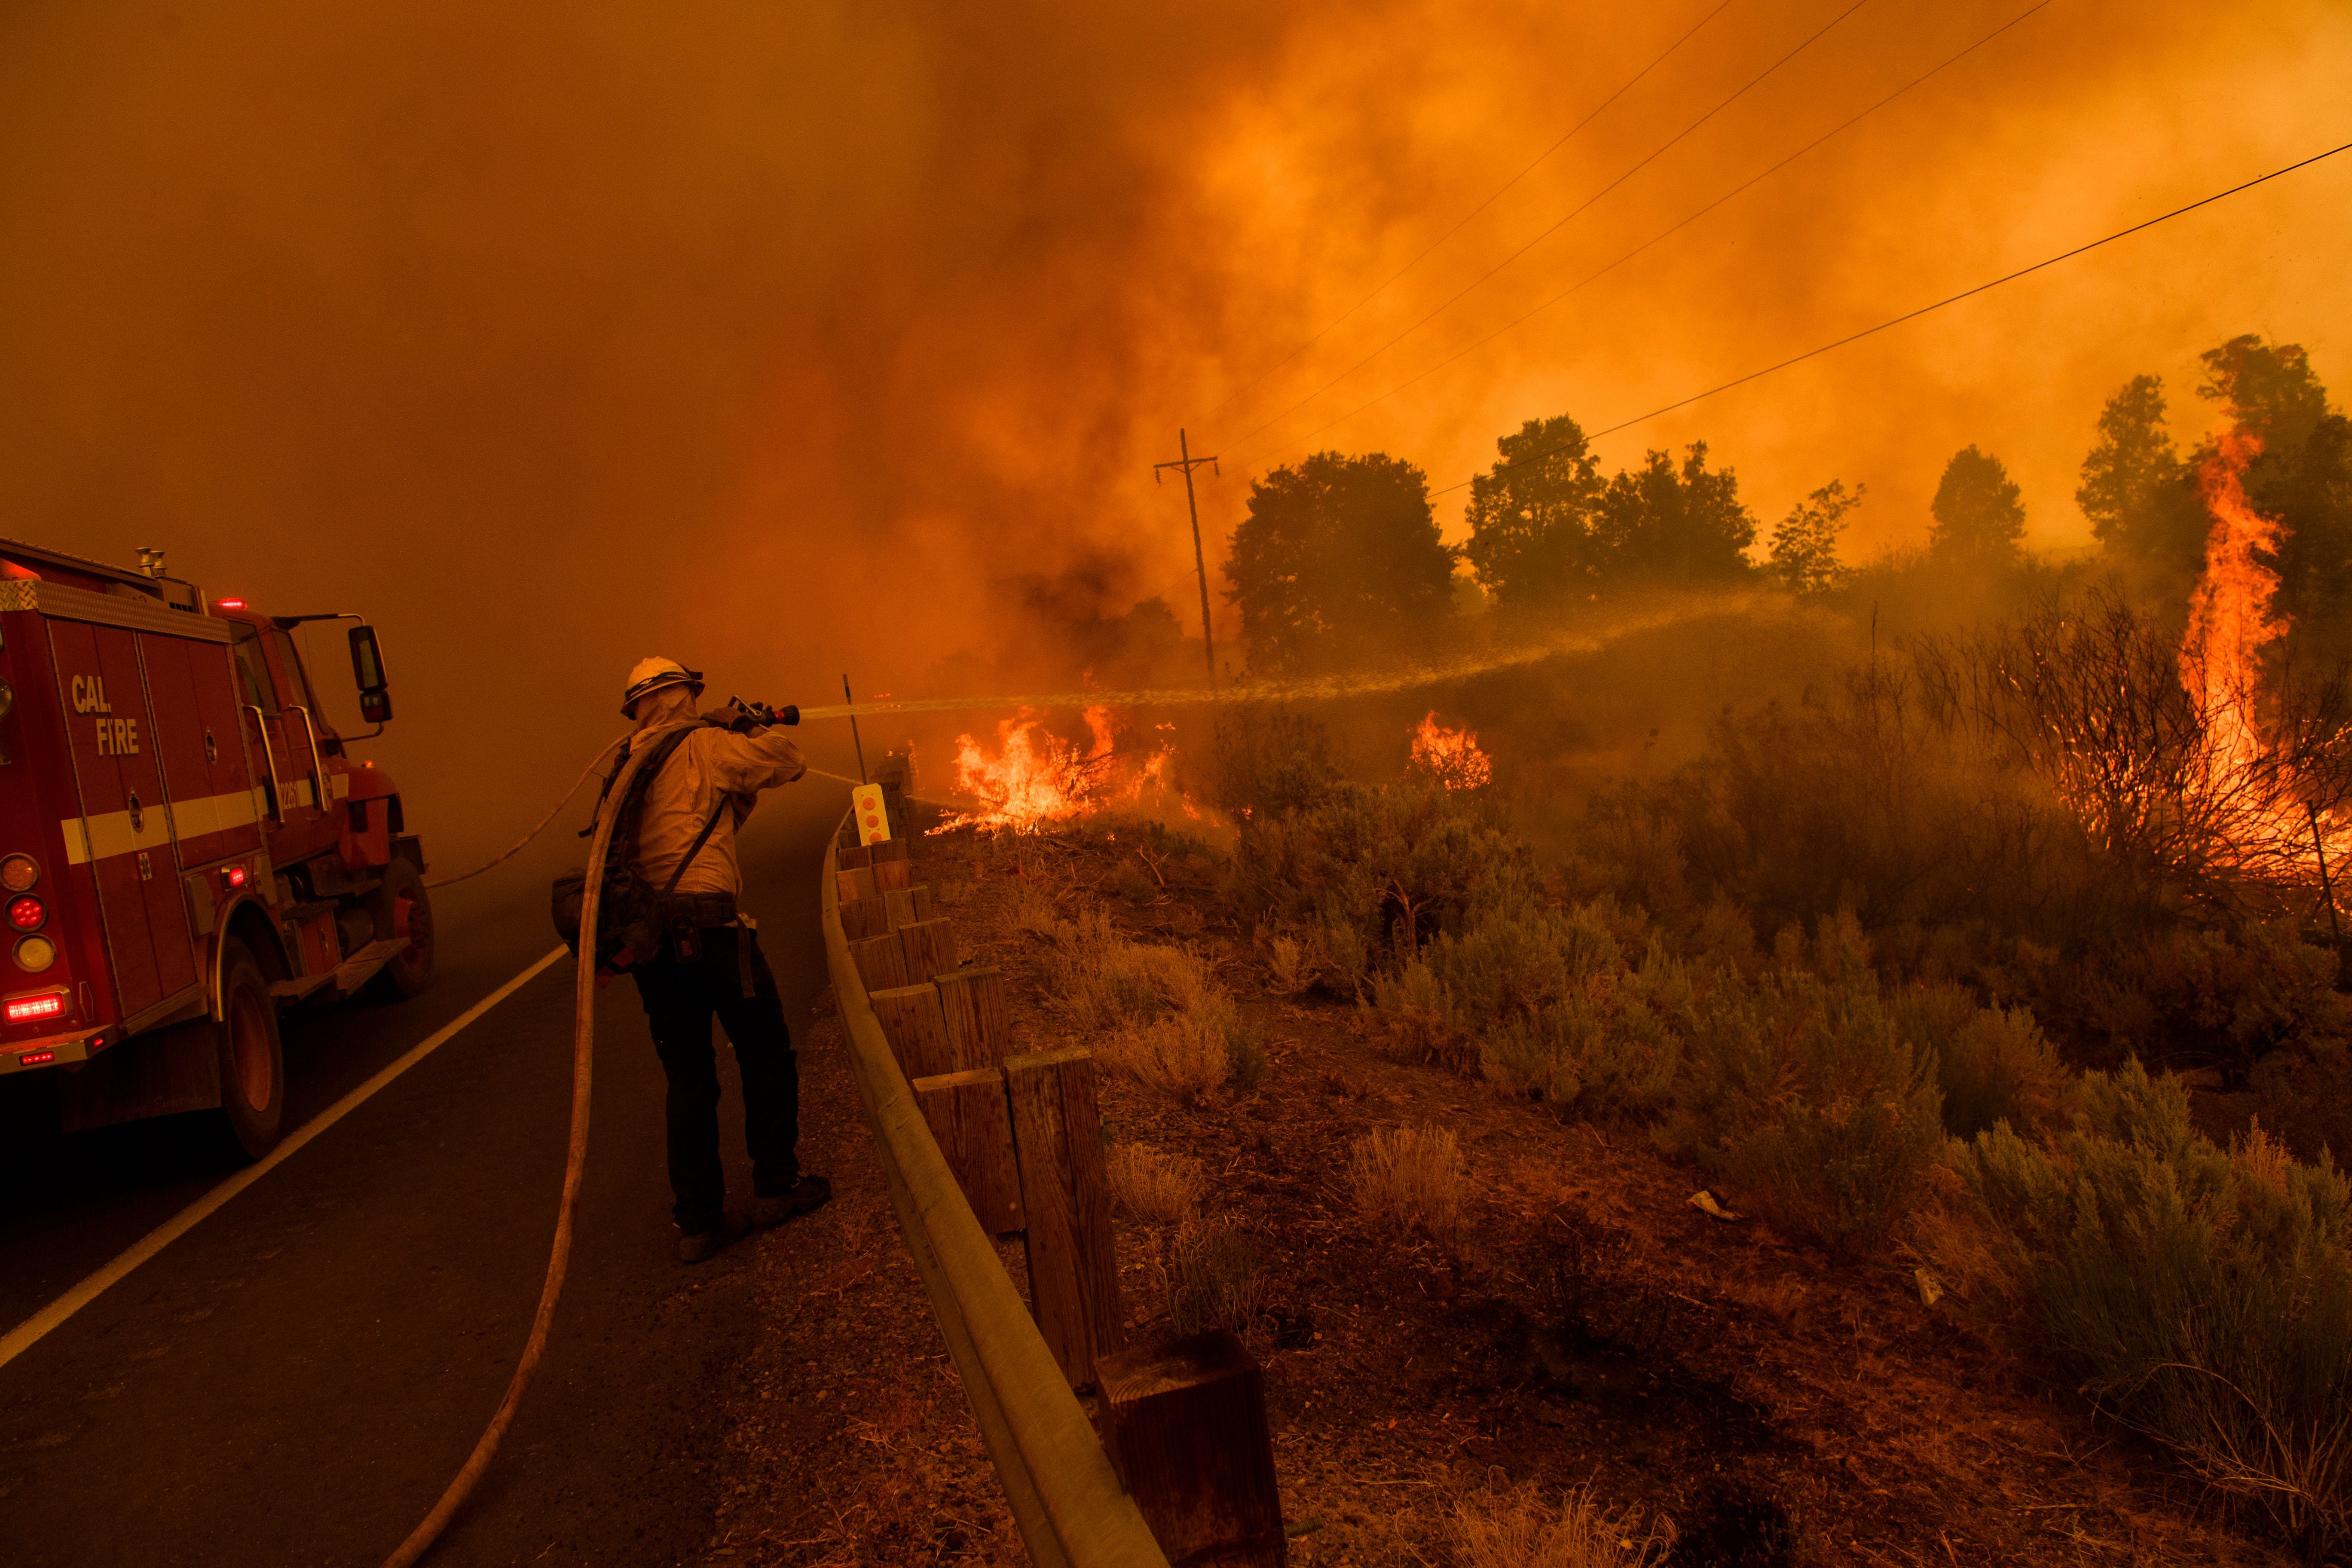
point(296, 1379)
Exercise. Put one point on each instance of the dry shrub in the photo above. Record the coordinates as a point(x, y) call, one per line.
point(1156, 1188)
point(2201, 1294)
point(1184, 1054)
point(1161, 1014)
point(1805, 1096)
point(1288, 964)
point(1542, 1002)
point(1412, 1174)
point(1519, 1530)
point(1215, 1278)
point(1994, 1065)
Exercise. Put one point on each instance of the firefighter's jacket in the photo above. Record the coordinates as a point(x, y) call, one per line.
point(709, 766)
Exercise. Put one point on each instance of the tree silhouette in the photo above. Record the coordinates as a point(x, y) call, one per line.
point(1337, 555)
point(1804, 542)
point(2302, 476)
point(1531, 517)
point(1658, 524)
point(1979, 519)
point(2140, 496)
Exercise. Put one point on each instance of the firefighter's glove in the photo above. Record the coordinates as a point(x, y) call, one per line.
point(733, 715)
point(742, 717)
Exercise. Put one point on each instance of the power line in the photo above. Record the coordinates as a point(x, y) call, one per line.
point(1914, 315)
point(1499, 192)
point(1655, 153)
point(1663, 235)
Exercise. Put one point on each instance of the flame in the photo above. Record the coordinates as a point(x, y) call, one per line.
point(1452, 757)
point(2230, 616)
point(1036, 779)
point(2263, 811)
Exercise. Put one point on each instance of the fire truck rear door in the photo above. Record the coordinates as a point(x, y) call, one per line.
point(124, 833)
point(198, 744)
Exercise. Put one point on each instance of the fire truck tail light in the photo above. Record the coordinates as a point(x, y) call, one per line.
point(28, 913)
point(18, 873)
point(35, 1059)
point(234, 876)
point(25, 1009)
point(35, 954)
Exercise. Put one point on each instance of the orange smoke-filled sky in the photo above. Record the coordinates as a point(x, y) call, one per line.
point(786, 338)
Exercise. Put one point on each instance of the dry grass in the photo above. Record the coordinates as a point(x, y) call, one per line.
point(1412, 1174)
point(1215, 1278)
point(1161, 1016)
point(1288, 964)
point(1182, 1055)
point(1517, 1530)
point(1156, 1188)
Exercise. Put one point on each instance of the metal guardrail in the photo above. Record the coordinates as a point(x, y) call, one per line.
point(1066, 1498)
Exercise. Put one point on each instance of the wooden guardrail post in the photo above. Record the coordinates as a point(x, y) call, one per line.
point(881, 961)
point(893, 874)
point(929, 948)
point(916, 1028)
point(1185, 1425)
point(979, 1014)
point(969, 1118)
point(856, 882)
point(1073, 1265)
point(862, 917)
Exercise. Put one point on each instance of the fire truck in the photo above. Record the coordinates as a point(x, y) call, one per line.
point(187, 848)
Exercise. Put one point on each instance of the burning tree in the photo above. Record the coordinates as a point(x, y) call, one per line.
point(2183, 761)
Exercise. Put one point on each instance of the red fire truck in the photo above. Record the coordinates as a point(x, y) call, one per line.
point(186, 848)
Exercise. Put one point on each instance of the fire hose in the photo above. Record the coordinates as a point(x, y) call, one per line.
point(559, 1256)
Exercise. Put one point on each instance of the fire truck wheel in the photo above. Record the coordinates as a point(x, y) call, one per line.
point(401, 909)
point(252, 1066)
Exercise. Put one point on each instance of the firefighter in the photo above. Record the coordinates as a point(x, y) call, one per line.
point(710, 961)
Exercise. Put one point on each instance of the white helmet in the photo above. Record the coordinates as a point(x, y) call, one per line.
point(651, 674)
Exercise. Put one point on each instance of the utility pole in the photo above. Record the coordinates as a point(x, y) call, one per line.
point(1188, 462)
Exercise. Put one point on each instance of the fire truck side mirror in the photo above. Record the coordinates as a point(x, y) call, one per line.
point(367, 670)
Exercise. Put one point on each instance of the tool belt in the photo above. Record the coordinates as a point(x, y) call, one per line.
point(686, 916)
point(688, 919)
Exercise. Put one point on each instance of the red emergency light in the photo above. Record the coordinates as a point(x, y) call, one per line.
point(27, 913)
point(25, 1009)
point(234, 876)
point(35, 1059)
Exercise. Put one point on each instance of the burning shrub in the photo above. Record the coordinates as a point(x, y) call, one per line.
point(1215, 1278)
point(1451, 757)
point(1156, 1188)
point(1411, 1175)
point(1519, 1529)
point(1994, 1065)
point(1804, 1095)
point(2203, 1294)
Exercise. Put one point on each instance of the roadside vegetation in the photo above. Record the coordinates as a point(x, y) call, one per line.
point(1979, 952)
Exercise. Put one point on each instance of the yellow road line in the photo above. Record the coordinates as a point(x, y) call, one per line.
point(27, 1335)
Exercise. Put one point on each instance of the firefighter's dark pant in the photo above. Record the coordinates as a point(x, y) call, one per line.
point(729, 976)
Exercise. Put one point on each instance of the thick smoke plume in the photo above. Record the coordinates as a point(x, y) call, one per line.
point(796, 340)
